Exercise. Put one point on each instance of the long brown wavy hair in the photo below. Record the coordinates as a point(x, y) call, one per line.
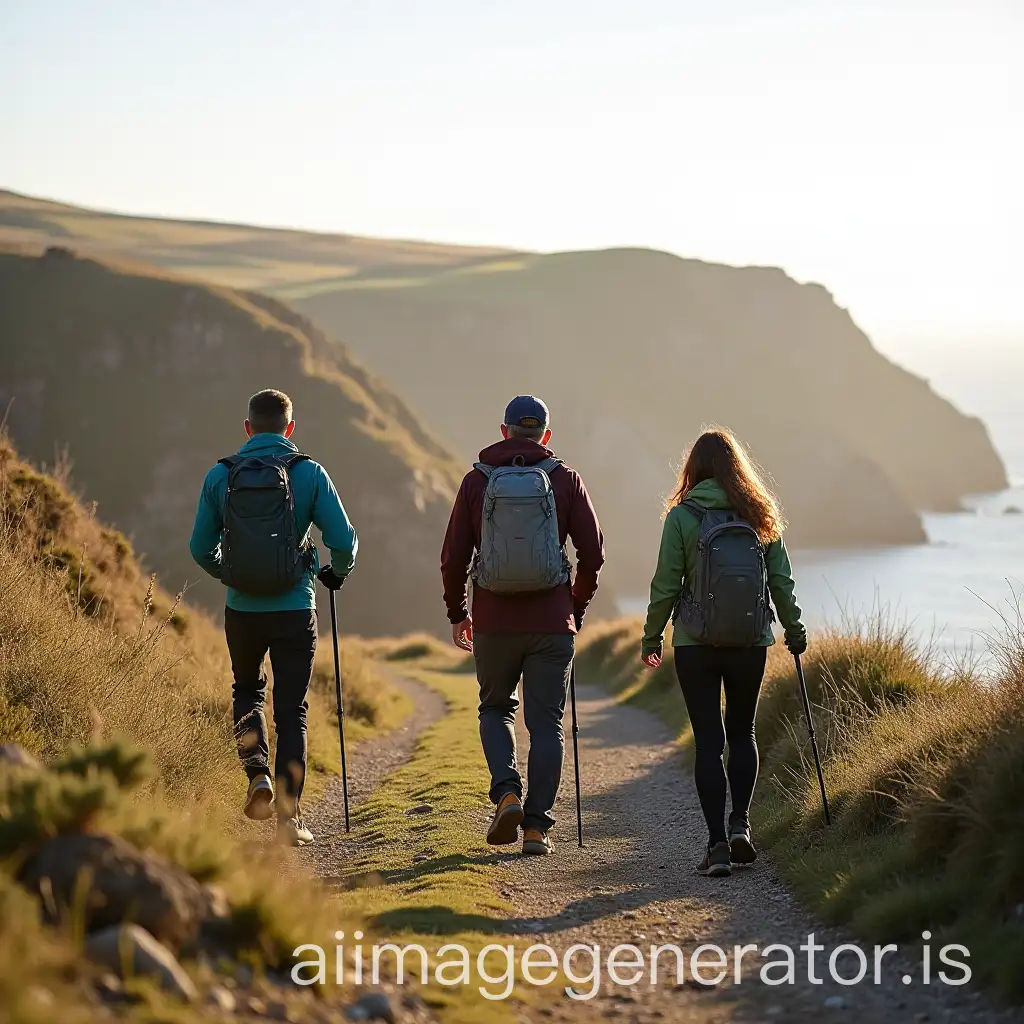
point(718, 455)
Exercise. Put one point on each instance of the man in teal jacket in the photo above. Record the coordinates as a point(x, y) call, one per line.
point(283, 624)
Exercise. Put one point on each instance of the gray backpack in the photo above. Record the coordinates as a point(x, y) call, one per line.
point(728, 605)
point(519, 547)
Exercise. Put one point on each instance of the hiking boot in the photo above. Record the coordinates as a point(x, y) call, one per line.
point(259, 800)
point(536, 843)
point(717, 862)
point(741, 849)
point(292, 832)
point(508, 816)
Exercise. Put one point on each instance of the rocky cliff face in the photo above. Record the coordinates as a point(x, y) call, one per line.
point(145, 380)
point(636, 350)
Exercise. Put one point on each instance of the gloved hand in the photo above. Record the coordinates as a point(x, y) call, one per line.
point(797, 643)
point(651, 658)
point(330, 579)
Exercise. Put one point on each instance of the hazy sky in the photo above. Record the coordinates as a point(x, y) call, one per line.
point(873, 145)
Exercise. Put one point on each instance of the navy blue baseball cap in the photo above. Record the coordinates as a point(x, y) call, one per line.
point(526, 411)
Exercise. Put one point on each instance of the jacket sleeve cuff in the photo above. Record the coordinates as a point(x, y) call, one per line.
point(458, 616)
point(651, 647)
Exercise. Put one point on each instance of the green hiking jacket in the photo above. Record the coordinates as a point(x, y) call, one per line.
point(677, 562)
point(316, 503)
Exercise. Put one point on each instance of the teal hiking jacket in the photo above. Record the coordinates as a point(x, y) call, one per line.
point(316, 503)
point(678, 561)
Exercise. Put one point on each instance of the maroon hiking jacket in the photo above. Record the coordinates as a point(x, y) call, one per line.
point(548, 611)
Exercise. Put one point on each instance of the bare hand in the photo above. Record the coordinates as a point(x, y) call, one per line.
point(652, 660)
point(462, 634)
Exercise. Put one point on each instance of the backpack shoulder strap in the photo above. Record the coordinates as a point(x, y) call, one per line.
point(230, 461)
point(549, 465)
point(484, 468)
point(695, 508)
point(292, 458)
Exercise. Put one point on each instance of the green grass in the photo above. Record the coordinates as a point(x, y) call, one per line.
point(923, 770)
point(449, 897)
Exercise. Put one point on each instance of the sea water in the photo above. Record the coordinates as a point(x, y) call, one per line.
point(955, 591)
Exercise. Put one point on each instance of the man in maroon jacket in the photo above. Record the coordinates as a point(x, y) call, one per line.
point(529, 636)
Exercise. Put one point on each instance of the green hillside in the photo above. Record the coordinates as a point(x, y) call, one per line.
point(234, 255)
point(634, 350)
point(144, 381)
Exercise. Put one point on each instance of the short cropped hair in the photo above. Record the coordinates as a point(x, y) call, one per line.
point(530, 433)
point(270, 412)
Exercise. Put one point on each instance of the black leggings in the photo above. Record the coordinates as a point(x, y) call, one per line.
point(701, 672)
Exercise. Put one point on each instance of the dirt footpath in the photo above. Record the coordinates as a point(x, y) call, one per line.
point(369, 763)
point(634, 883)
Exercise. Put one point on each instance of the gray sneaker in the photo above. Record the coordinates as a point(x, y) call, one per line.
point(741, 849)
point(716, 862)
point(259, 800)
point(292, 832)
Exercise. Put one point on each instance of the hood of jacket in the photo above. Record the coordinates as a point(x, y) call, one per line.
point(709, 493)
point(504, 453)
point(267, 444)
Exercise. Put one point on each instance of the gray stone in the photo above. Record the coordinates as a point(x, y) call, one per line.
point(421, 809)
point(129, 949)
point(372, 1006)
point(125, 884)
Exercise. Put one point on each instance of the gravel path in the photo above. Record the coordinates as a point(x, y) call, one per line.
point(369, 763)
point(634, 882)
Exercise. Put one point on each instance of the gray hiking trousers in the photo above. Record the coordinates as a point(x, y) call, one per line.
point(543, 661)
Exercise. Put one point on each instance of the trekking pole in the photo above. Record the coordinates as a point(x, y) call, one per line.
point(814, 742)
point(341, 707)
point(576, 753)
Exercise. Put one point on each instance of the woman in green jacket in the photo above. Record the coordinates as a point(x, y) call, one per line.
point(718, 475)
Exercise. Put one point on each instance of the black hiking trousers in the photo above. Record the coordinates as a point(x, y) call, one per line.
point(702, 672)
point(543, 661)
point(290, 637)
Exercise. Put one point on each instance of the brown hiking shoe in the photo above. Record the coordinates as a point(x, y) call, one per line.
point(508, 816)
point(535, 843)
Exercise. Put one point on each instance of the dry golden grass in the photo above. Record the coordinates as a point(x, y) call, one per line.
point(91, 646)
point(90, 674)
point(923, 767)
